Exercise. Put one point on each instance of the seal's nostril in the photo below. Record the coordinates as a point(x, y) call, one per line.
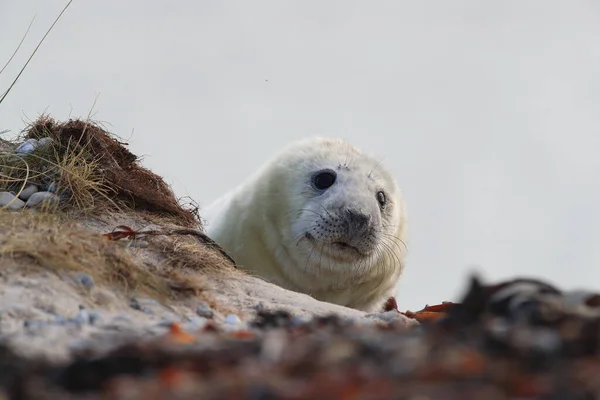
point(357, 219)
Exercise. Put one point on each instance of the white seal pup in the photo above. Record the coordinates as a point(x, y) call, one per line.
point(320, 218)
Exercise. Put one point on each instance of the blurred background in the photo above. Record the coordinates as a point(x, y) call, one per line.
point(487, 113)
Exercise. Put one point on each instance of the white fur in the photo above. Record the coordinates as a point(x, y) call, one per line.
point(262, 222)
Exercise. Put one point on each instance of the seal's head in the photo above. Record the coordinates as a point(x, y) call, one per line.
point(339, 215)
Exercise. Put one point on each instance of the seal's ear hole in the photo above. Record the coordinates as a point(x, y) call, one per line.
point(324, 179)
point(381, 199)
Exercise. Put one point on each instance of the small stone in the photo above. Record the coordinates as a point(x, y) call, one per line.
point(104, 297)
point(233, 319)
point(144, 305)
point(10, 202)
point(135, 304)
point(86, 280)
point(197, 322)
point(30, 323)
point(296, 321)
point(81, 318)
point(39, 197)
point(44, 142)
point(169, 316)
point(47, 307)
point(94, 316)
point(149, 302)
point(28, 191)
point(204, 311)
point(165, 324)
point(27, 146)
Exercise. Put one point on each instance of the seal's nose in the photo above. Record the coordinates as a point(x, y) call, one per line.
point(357, 221)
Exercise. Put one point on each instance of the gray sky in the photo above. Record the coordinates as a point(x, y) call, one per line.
point(486, 112)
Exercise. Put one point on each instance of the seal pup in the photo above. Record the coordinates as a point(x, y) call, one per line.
point(320, 218)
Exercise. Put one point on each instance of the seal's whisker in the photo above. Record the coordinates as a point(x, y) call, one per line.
point(396, 241)
point(377, 164)
point(309, 210)
point(323, 207)
point(309, 256)
point(392, 254)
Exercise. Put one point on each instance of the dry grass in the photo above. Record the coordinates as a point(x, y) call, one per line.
point(186, 253)
point(179, 265)
point(81, 178)
point(7, 91)
point(192, 269)
point(17, 172)
point(97, 169)
point(61, 246)
point(72, 169)
point(97, 177)
point(92, 169)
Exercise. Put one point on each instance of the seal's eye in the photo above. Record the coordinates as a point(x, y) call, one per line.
point(324, 179)
point(381, 198)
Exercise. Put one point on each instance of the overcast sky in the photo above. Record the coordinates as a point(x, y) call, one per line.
point(487, 112)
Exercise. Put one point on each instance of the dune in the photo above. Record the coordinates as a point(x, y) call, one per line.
point(110, 288)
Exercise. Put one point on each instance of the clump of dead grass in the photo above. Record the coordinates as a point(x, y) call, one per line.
point(72, 169)
point(178, 265)
point(101, 155)
point(61, 246)
point(193, 268)
point(186, 254)
point(186, 257)
point(92, 169)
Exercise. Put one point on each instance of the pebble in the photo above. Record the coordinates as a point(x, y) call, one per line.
point(44, 142)
point(150, 302)
point(296, 321)
point(204, 311)
point(94, 316)
point(169, 316)
point(31, 144)
point(135, 304)
point(28, 191)
point(30, 323)
point(86, 280)
point(11, 202)
point(105, 298)
point(40, 197)
point(197, 321)
point(81, 318)
point(27, 146)
point(165, 323)
point(233, 319)
point(143, 305)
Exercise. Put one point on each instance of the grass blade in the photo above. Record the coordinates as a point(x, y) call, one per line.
point(33, 53)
